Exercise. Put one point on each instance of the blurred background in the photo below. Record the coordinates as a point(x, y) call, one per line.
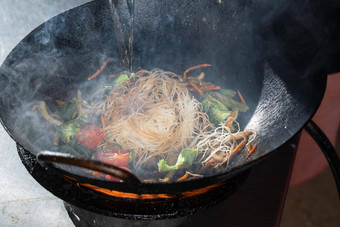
point(312, 198)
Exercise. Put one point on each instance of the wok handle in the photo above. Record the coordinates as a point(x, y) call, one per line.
point(57, 157)
point(327, 148)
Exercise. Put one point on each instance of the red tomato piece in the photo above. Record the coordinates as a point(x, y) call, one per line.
point(113, 156)
point(112, 178)
point(90, 136)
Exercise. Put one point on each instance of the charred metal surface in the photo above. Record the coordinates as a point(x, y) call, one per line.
point(79, 195)
point(259, 200)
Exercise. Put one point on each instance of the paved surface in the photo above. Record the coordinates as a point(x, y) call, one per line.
point(23, 202)
point(314, 203)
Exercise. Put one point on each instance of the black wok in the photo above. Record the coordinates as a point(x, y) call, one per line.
point(283, 82)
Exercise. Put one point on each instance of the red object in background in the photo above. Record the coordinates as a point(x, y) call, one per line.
point(310, 160)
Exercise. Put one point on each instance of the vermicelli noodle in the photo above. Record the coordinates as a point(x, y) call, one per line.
point(155, 122)
point(156, 117)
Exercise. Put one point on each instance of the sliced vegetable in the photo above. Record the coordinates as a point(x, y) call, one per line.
point(60, 102)
point(185, 176)
point(112, 178)
point(193, 68)
point(90, 136)
point(83, 120)
point(227, 92)
point(113, 156)
point(73, 109)
point(215, 109)
point(76, 149)
point(231, 118)
point(116, 145)
point(217, 116)
point(210, 101)
point(241, 97)
point(229, 102)
point(47, 116)
point(195, 86)
point(68, 131)
point(99, 70)
point(219, 106)
point(123, 78)
point(210, 87)
point(69, 110)
point(131, 154)
point(184, 160)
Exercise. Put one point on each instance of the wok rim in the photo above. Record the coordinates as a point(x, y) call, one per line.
point(213, 178)
point(206, 180)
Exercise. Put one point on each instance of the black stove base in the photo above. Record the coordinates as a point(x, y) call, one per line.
point(84, 218)
point(258, 202)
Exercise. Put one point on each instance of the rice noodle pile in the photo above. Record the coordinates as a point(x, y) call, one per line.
point(217, 145)
point(156, 116)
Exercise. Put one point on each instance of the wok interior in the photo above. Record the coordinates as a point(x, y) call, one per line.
point(56, 59)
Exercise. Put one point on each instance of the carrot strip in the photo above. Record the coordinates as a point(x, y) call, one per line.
point(252, 150)
point(99, 70)
point(36, 107)
point(166, 179)
point(194, 67)
point(59, 102)
point(195, 86)
point(118, 74)
point(97, 174)
point(56, 138)
point(241, 97)
point(210, 87)
point(238, 148)
point(230, 119)
point(138, 74)
point(185, 176)
point(103, 124)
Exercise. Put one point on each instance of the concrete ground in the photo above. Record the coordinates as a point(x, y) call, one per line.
point(314, 203)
